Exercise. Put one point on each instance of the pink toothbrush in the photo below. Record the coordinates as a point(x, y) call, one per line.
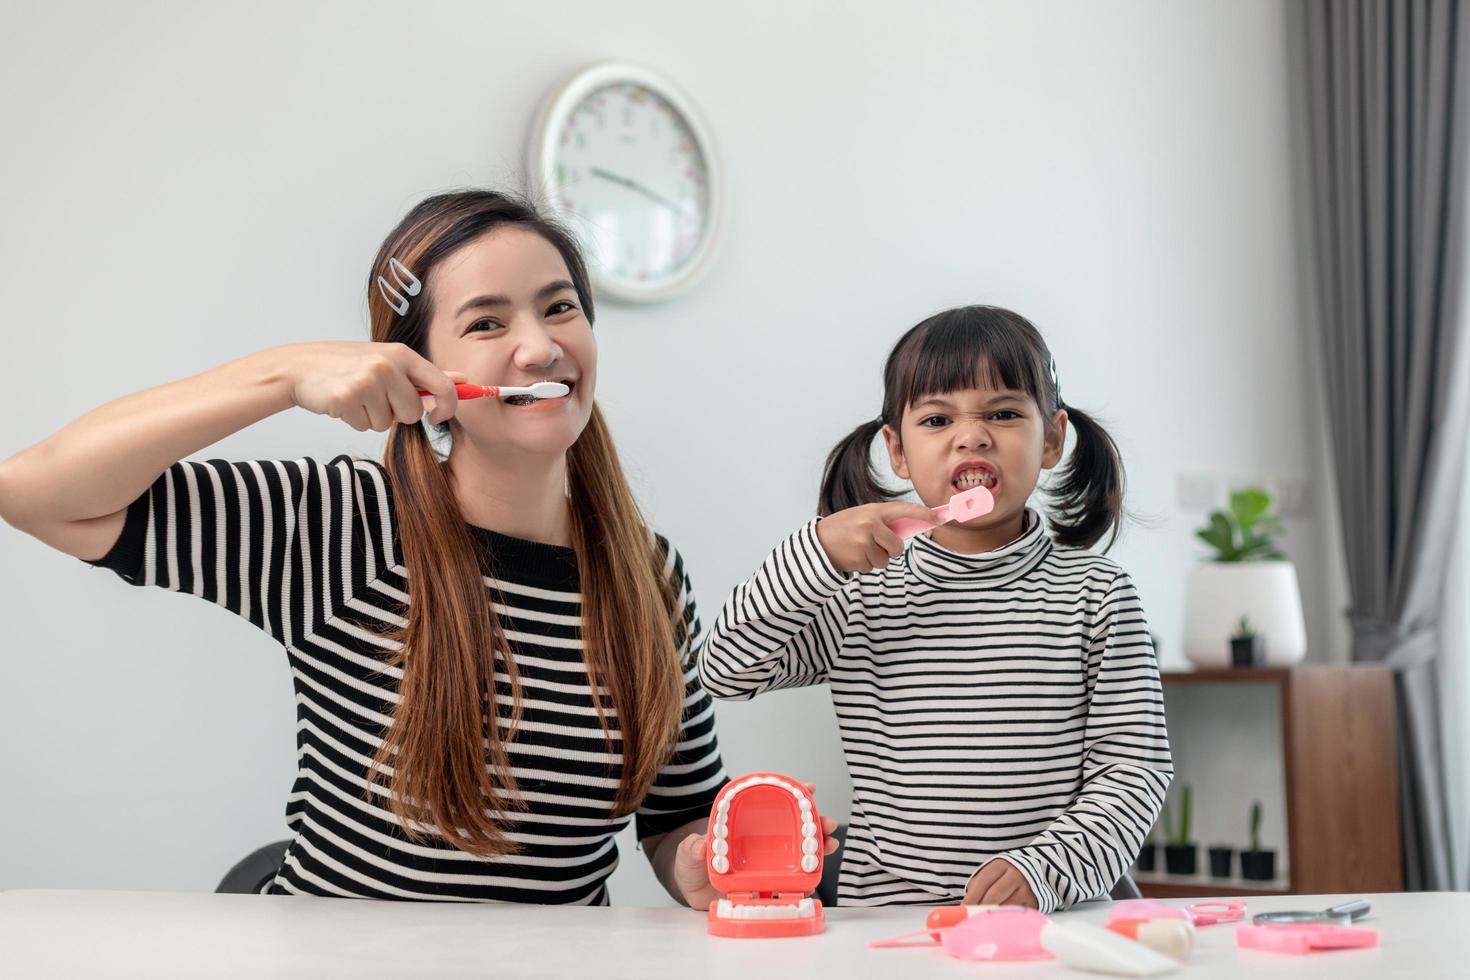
point(541, 389)
point(963, 506)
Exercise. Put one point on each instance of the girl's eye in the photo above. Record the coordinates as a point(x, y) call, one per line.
point(560, 307)
point(1006, 414)
point(933, 421)
point(483, 326)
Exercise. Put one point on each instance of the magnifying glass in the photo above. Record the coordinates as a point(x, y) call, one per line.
point(1341, 915)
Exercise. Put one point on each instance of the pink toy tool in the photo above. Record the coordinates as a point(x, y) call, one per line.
point(1009, 933)
point(764, 852)
point(1305, 937)
point(998, 933)
point(1166, 929)
point(1198, 913)
point(541, 389)
point(1215, 913)
point(963, 506)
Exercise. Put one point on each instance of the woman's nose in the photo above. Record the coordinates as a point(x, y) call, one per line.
point(535, 348)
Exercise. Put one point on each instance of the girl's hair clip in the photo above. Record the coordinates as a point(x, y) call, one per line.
point(402, 280)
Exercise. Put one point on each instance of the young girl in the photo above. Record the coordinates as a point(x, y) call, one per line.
point(995, 683)
point(490, 652)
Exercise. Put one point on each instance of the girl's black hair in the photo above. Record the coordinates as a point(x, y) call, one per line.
point(985, 346)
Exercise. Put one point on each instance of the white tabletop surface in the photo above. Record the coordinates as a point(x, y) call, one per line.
point(101, 934)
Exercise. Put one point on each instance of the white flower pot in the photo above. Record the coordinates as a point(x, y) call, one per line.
point(1265, 592)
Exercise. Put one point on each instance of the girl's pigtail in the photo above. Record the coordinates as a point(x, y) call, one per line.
point(1087, 497)
point(848, 478)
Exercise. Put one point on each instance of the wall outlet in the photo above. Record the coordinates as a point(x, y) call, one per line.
point(1289, 495)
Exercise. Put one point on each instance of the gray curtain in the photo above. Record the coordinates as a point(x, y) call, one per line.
point(1386, 119)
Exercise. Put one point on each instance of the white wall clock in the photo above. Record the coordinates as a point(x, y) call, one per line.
point(625, 158)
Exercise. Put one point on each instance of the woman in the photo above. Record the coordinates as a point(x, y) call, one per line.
point(490, 650)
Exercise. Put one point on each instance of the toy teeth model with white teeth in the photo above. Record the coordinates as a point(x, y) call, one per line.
point(764, 852)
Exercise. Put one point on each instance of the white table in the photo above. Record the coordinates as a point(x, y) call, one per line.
point(97, 934)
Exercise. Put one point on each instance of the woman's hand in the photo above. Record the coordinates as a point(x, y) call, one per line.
point(368, 385)
point(859, 539)
point(72, 490)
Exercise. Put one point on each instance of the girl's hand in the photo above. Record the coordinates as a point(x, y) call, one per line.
point(859, 539)
point(368, 385)
point(691, 872)
point(999, 883)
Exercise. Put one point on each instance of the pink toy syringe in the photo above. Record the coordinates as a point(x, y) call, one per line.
point(963, 506)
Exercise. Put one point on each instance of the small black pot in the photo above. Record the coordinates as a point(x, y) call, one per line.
point(1247, 651)
point(1258, 865)
point(1222, 862)
point(1181, 859)
point(1148, 857)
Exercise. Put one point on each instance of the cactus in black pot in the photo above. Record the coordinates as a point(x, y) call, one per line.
point(1247, 647)
point(1258, 863)
point(1181, 854)
point(1148, 854)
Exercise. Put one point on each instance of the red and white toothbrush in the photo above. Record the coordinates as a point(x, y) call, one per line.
point(539, 390)
point(963, 506)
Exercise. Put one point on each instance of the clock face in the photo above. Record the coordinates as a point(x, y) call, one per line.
point(632, 174)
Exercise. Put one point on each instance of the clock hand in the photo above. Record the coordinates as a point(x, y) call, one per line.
point(636, 187)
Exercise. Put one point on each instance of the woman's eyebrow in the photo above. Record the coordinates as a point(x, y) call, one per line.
point(500, 299)
point(554, 287)
point(483, 301)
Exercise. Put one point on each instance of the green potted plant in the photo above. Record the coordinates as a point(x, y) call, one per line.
point(1148, 854)
point(1257, 864)
point(1247, 649)
point(1246, 576)
point(1181, 854)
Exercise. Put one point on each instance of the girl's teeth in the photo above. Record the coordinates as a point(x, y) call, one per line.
point(968, 480)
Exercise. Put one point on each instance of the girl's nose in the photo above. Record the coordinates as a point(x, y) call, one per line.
point(972, 434)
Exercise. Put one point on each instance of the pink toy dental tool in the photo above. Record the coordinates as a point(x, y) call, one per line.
point(995, 933)
point(1214, 913)
point(1163, 928)
point(1169, 929)
point(963, 506)
point(1011, 933)
point(1301, 938)
point(539, 390)
point(764, 853)
point(947, 916)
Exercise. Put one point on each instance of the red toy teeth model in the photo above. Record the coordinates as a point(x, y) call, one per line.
point(764, 852)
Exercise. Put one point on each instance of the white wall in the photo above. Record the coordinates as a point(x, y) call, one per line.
point(184, 183)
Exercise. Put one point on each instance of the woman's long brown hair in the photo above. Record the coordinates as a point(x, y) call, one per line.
point(444, 757)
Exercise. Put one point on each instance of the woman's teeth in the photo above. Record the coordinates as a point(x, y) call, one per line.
point(520, 400)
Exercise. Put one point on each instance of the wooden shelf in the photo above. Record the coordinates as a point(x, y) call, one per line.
point(1156, 885)
point(1228, 675)
point(1339, 758)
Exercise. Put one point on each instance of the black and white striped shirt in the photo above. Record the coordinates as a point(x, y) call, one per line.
point(997, 705)
point(308, 552)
